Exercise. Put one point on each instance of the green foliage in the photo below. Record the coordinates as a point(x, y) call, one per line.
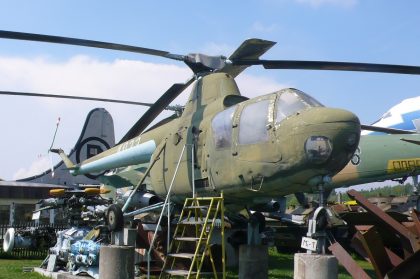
point(397, 190)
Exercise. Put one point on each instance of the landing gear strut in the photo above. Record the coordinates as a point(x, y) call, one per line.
point(319, 222)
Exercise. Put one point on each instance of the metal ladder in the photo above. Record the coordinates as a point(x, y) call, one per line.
point(198, 218)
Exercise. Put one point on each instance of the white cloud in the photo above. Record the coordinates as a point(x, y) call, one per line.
point(40, 165)
point(337, 3)
point(82, 75)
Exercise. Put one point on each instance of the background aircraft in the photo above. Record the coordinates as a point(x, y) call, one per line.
point(382, 156)
point(404, 116)
point(97, 136)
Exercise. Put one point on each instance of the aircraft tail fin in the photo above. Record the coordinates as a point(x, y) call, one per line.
point(416, 123)
point(405, 116)
point(97, 136)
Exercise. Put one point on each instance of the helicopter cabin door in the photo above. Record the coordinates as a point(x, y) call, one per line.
point(254, 141)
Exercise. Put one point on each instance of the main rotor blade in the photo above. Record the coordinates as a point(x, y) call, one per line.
point(73, 97)
point(331, 66)
point(87, 43)
point(386, 130)
point(249, 49)
point(411, 141)
point(156, 109)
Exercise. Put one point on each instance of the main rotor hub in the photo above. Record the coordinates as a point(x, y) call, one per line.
point(199, 62)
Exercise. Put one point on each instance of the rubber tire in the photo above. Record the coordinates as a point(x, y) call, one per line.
point(114, 218)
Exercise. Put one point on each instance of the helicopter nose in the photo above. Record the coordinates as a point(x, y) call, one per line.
point(331, 115)
point(332, 136)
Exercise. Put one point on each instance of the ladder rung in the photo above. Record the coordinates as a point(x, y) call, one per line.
point(196, 207)
point(186, 238)
point(209, 199)
point(178, 272)
point(182, 255)
point(198, 222)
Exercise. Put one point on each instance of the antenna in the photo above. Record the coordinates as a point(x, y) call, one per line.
point(52, 143)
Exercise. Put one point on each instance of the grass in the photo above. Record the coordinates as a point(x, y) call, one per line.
point(12, 269)
point(280, 266)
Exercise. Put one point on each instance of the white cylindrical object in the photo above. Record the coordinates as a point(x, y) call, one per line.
point(315, 266)
point(135, 155)
point(13, 240)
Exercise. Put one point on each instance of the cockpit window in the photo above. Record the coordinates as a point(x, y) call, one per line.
point(222, 128)
point(293, 101)
point(253, 123)
point(309, 100)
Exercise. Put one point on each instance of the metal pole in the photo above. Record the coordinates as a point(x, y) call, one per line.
point(193, 170)
point(169, 228)
point(12, 214)
point(166, 203)
point(222, 217)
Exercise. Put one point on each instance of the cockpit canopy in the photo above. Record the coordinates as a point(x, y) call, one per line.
point(292, 101)
point(256, 117)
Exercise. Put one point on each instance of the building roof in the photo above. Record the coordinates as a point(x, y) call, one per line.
point(26, 190)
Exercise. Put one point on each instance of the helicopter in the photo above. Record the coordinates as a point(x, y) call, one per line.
point(251, 149)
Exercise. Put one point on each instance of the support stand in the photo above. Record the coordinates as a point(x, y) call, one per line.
point(253, 257)
point(315, 264)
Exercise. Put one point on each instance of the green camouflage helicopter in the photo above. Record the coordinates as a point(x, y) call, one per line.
point(251, 149)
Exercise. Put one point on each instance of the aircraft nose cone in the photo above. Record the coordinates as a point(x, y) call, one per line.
point(331, 115)
point(332, 136)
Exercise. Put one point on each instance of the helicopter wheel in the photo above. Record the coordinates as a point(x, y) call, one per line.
point(114, 218)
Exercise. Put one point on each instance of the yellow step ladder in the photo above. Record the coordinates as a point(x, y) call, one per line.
point(190, 245)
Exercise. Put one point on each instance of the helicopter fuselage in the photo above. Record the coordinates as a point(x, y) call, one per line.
point(252, 150)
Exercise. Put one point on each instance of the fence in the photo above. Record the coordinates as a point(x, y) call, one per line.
point(27, 252)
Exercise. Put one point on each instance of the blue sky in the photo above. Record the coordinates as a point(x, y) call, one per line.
point(346, 30)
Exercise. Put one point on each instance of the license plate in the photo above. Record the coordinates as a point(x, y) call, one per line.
point(36, 215)
point(308, 243)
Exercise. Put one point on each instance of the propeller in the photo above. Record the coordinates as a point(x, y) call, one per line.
point(246, 55)
point(175, 108)
point(331, 66)
point(249, 49)
point(411, 141)
point(86, 43)
point(156, 109)
point(386, 130)
point(197, 62)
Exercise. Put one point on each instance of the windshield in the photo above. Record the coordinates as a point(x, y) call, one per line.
point(222, 128)
point(253, 123)
point(291, 101)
